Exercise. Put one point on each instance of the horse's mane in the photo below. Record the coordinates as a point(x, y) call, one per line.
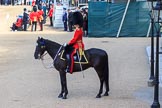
point(52, 43)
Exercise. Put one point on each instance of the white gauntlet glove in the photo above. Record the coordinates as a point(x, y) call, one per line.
point(65, 44)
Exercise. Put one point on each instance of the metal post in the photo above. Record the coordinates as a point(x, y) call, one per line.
point(152, 48)
point(156, 103)
point(121, 24)
point(151, 79)
point(149, 29)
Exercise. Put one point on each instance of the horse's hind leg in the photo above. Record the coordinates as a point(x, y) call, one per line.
point(107, 90)
point(101, 77)
point(101, 89)
point(106, 86)
point(106, 78)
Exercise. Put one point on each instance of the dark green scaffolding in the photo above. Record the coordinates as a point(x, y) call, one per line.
point(104, 19)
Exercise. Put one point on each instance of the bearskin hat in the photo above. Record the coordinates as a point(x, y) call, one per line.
point(77, 19)
point(25, 9)
point(35, 8)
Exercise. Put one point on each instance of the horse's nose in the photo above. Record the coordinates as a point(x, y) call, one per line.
point(39, 56)
point(36, 56)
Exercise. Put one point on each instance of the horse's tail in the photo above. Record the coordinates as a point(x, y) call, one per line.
point(106, 73)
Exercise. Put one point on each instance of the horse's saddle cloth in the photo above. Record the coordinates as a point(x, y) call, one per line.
point(81, 59)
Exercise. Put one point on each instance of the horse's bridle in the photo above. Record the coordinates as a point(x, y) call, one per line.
point(41, 57)
point(42, 46)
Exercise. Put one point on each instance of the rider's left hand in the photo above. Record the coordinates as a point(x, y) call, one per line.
point(65, 44)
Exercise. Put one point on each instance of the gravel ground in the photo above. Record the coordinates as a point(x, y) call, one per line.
point(25, 83)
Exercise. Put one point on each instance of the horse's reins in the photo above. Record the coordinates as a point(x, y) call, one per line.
point(43, 62)
point(57, 54)
point(53, 59)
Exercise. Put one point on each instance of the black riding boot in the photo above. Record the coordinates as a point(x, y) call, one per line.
point(68, 62)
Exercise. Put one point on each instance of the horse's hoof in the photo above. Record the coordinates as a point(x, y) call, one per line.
point(106, 94)
point(64, 97)
point(60, 96)
point(98, 96)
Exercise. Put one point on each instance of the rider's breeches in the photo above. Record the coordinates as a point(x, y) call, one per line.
point(41, 25)
point(34, 24)
point(70, 61)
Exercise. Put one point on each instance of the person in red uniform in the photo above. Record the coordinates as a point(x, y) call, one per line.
point(34, 18)
point(50, 14)
point(40, 17)
point(33, 3)
point(76, 42)
point(18, 24)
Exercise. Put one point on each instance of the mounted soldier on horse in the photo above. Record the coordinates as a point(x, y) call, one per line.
point(93, 57)
point(76, 42)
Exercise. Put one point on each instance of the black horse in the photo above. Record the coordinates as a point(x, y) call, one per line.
point(97, 58)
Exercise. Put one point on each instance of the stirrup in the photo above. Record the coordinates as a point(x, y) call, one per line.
point(67, 70)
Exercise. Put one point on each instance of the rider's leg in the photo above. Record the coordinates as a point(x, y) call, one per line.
point(72, 61)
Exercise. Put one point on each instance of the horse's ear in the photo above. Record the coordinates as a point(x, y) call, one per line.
point(38, 38)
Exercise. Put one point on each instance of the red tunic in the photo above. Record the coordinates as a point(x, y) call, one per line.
point(50, 12)
point(19, 22)
point(34, 16)
point(40, 15)
point(33, 3)
point(77, 41)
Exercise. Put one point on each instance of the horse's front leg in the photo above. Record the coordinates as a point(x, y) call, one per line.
point(64, 90)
